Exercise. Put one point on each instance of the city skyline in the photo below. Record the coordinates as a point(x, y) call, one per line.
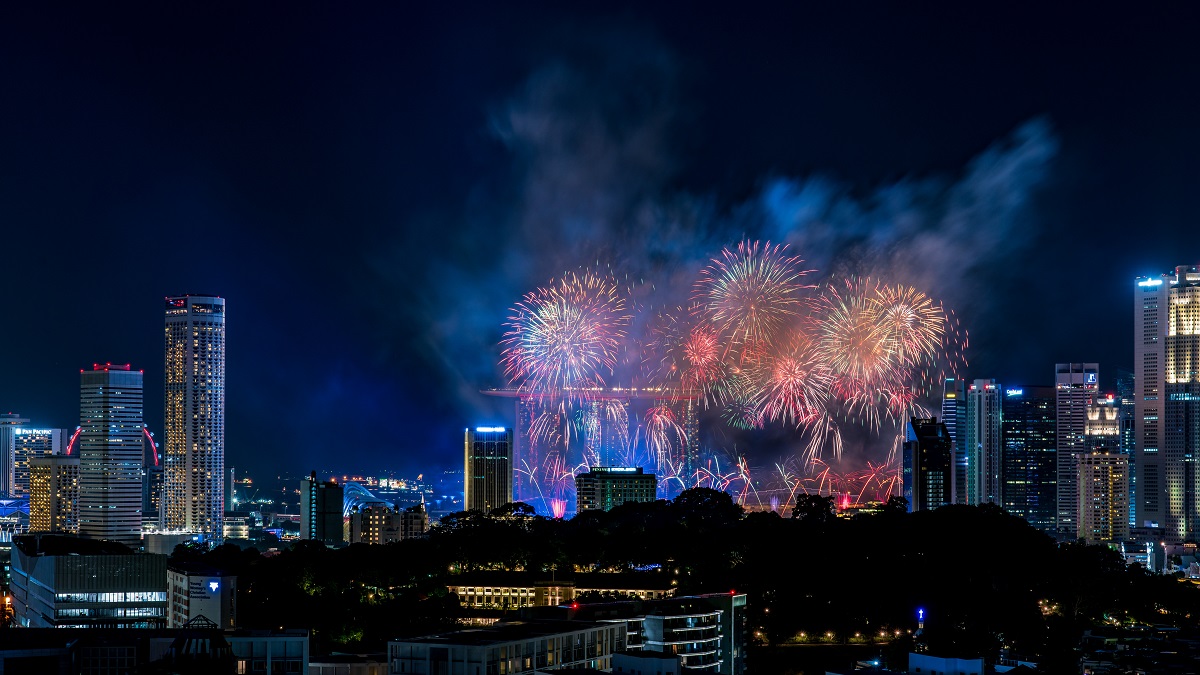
point(345, 204)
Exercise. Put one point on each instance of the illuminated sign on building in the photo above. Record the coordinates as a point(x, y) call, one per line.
point(1150, 282)
point(489, 430)
point(1014, 392)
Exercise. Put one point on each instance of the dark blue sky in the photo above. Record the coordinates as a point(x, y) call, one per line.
point(370, 187)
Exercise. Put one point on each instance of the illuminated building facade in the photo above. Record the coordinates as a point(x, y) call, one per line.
point(29, 443)
point(375, 524)
point(9, 423)
point(604, 487)
point(321, 510)
point(928, 465)
point(1102, 428)
point(110, 454)
point(194, 376)
point(983, 440)
point(1076, 386)
point(1030, 465)
point(954, 416)
point(1181, 403)
point(54, 494)
point(487, 468)
point(1103, 508)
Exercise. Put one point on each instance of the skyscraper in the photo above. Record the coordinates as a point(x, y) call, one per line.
point(1076, 386)
point(954, 416)
point(1029, 466)
point(928, 465)
point(1150, 356)
point(9, 423)
point(983, 440)
point(487, 468)
point(54, 494)
point(110, 453)
point(194, 374)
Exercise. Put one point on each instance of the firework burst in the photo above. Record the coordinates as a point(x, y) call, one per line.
point(749, 293)
point(564, 337)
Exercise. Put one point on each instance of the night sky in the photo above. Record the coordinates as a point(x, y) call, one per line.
point(371, 187)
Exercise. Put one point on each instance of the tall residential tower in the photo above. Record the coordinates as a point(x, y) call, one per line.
point(194, 452)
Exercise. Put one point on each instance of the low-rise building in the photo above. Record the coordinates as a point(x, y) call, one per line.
point(509, 648)
point(62, 581)
point(200, 591)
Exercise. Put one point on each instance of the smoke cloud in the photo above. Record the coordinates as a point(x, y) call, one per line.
point(594, 151)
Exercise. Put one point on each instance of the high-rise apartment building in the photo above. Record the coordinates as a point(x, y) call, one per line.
point(110, 453)
point(194, 425)
point(954, 416)
point(928, 467)
point(983, 440)
point(605, 487)
point(1029, 466)
point(29, 443)
point(322, 514)
point(1103, 507)
point(54, 494)
point(1076, 385)
point(487, 468)
point(9, 423)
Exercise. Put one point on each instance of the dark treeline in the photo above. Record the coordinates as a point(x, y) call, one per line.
point(985, 579)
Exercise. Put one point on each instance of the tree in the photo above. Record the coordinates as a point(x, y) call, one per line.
point(814, 509)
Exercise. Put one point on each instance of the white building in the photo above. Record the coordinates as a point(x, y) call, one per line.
point(110, 454)
point(1076, 386)
point(194, 374)
point(984, 442)
point(198, 590)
